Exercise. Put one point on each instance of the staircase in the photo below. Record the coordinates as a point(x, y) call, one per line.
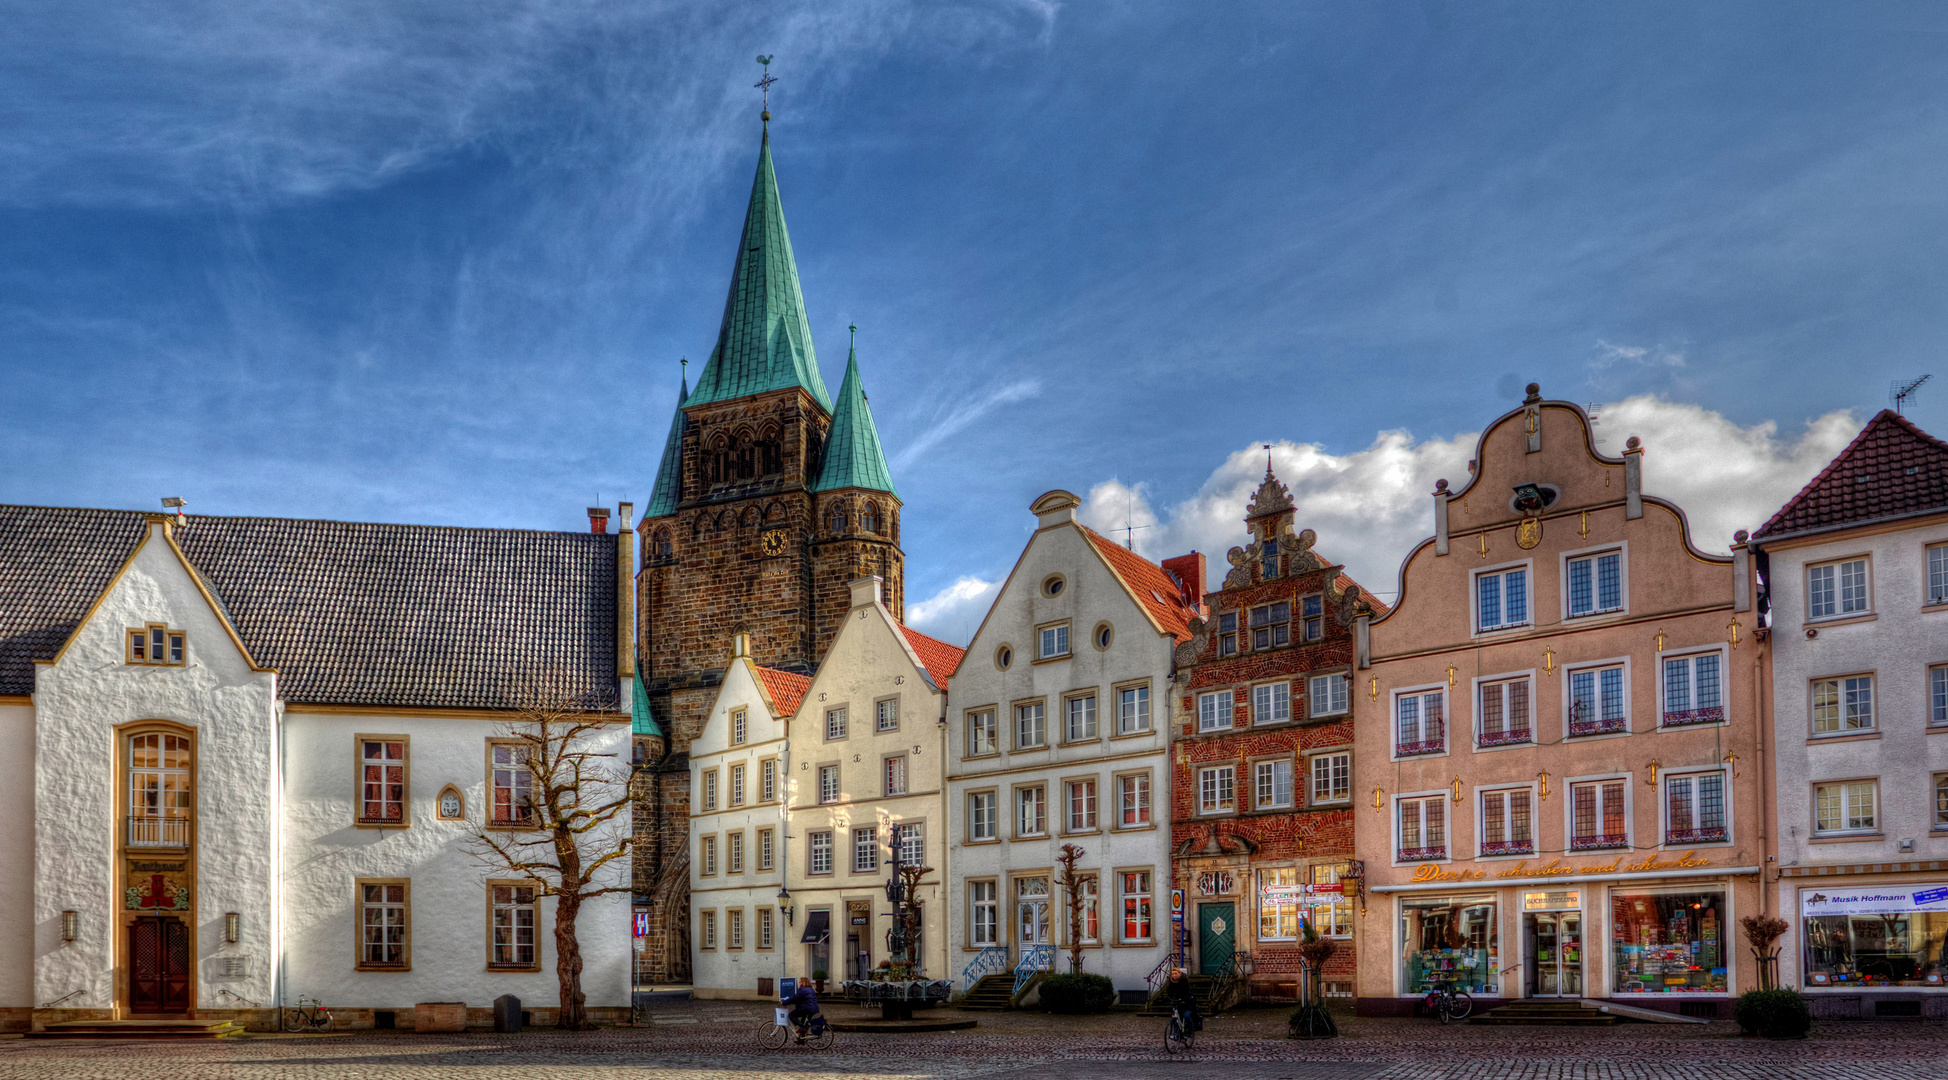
point(1546, 1012)
point(991, 994)
point(139, 1029)
point(1203, 985)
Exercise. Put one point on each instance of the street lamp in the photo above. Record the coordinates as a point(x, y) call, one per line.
point(784, 901)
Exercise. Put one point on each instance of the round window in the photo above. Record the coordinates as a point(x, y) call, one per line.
point(1053, 585)
point(1004, 656)
point(1104, 635)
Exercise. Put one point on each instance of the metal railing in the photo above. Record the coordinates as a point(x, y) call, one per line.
point(1234, 969)
point(1035, 959)
point(158, 832)
point(992, 960)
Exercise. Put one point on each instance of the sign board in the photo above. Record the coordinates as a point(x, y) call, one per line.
point(1177, 903)
point(1280, 895)
point(1873, 900)
point(1334, 889)
point(642, 924)
point(786, 988)
point(1553, 900)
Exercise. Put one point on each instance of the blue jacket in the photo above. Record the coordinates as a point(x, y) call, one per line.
point(805, 999)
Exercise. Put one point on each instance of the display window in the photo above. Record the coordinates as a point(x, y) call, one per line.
point(1874, 936)
point(1450, 939)
point(1670, 941)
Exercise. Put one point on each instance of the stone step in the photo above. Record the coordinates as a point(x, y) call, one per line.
point(139, 1029)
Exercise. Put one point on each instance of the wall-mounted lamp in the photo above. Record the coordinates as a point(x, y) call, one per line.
point(232, 924)
point(1654, 766)
point(70, 926)
point(1732, 760)
point(1457, 789)
point(784, 901)
point(1544, 777)
point(1379, 802)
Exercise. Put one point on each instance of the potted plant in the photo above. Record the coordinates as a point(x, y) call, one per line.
point(818, 979)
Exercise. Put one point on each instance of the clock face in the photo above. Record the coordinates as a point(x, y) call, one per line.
point(774, 542)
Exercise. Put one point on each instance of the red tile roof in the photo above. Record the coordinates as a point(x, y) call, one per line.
point(1891, 468)
point(1343, 582)
point(1147, 582)
point(939, 658)
point(785, 688)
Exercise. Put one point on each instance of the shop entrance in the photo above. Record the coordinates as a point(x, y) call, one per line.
point(1555, 953)
point(858, 939)
point(158, 965)
point(1217, 933)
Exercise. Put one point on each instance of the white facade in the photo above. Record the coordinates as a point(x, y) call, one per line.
point(1004, 772)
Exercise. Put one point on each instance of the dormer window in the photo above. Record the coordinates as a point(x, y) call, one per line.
point(156, 644)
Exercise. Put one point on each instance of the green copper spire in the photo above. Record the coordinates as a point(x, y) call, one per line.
point(641, 721)
point(669, 474)
point(765, 342)
point(853, 458)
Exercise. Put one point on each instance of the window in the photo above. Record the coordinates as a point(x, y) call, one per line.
point(1053, 585)
point(1941, 801)
point(734, 852)
point(1082, 805)
point(909, 842)
point(1845, 808)
point(835, 724)
point(707, 929)
point(1082, 718)
point(1335, 917)
point(514, 942)
point(1091, 910)
point(1271, 703)
point(1105, 634)
point(1031, 911)
point(1312, 611)
point(767, 850)
point(1329, 694)
point(982, 816)
point(819, 844)
point(1507, 827)
point(1418, 727)
point(1003, 657)
point(980, 733)
point(1596, 584)
point(1280, 903)
point(1134, 797)
point(1137, 905)
point(661, 548)
point(1836, 589)
point(514, 785)
point(1694, 808)
point(739, 727)
point(865, 850)
point(1938, 695)
point(1504, 713)
point(1693, 693)
point(1271, 625)
point(1938, 574)
point(1452, 938)
point(1598, 817)
point(1596, 701)
point(1132, 710)
point(767, 780)
point(1214, 711)
point(1031, 811)
point(886, 715)
point(1502, 600)
point(383, 924)
point(1268, 558)
point(734, 928)
point(1031, 726)
point(737, 785)
point(707, 855)
point(984, 913)
point(896, 775)
point(156, 644)
point(1332, 778)
point(1272, 784)
point(828, 783)
point(1841, 705)
point(869, 518)
point(382, 780)
point(1228, 634)
point(1054, 642)
point(767, 935)
point(710, 789)
point(1422, 829)
point(1217, 790)
point(1670, 941)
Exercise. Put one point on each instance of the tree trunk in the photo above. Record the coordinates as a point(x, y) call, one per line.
point(568, 964)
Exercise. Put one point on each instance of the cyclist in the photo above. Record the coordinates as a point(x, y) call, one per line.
point(1183, 999)
point(804, 1015)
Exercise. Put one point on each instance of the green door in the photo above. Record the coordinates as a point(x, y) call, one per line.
point(1217, 933)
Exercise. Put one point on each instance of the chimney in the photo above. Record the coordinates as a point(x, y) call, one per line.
point(1633, 478)
point(865, 591)
point(1189, 572)
point(598, 519)
point(177, 506)
point(625, 593)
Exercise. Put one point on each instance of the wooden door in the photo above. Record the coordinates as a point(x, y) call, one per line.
point(1217, 933)
point(158, 966)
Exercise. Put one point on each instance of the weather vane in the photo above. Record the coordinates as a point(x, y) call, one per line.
point(764, 84)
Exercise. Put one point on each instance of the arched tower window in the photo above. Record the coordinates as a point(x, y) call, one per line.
point(837, 521)
point(869, 520)
point(719, 463)
point(745, 456)
point(771, 453)
point(660, 548)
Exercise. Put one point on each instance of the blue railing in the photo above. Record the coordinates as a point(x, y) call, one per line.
point(992, 960)
point(1034, 960)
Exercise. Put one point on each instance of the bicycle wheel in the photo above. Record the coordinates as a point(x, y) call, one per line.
point(1444, 1008)
point(1462, 1005)
point(321, 1019)
point(295, 1020)
point(1173, 1037)
point(773, 1036)
point(824, 1039)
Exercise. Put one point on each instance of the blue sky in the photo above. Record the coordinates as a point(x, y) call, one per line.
point(379, 259)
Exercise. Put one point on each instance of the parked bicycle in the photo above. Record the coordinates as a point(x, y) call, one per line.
point(782, 1029)
point(1448, 1003)
point(1179, 1035)
point(309, 1014)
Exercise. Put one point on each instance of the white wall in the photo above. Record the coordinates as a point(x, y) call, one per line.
point(17, 889)
point(723, 972)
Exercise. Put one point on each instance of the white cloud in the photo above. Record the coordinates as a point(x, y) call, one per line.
point(958, 415)
point(953, 613)
point(1371, 506)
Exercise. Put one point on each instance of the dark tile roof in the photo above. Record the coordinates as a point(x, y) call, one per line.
point(1891, 468)
point(348, 613)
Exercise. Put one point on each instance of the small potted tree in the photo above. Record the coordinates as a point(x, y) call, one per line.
point(1311, 1020)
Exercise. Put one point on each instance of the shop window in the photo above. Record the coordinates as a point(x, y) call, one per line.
point(1501, 600)
point(1280, 903)
point(1596, 584)
point(1080, 725)
point(1839, 809)
point(1421, 829)
point(1507, 826)
point(1596, 701)
point(1843, 705)
point(1332, 913)
point(1450, 939)
point(1599, 819)
point(1271, 625)
point(1694, 808)
point(1670, 941)
point(1214, 711)
point(1228, 634)
point(1217, 790)
point(1836, 590)
point(1271, 703)
point(1504, 713)
point(1419, 726)
point(1874, 938)
point(1693, 693)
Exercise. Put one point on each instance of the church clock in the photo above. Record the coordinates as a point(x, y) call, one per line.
point(774, 541)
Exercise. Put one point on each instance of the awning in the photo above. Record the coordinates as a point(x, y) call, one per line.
point(818, 928)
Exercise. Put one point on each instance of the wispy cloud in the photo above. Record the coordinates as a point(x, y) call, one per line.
point(952, 613)
point(958, 417)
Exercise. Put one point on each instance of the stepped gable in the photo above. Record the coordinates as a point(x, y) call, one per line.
point(1891, 469)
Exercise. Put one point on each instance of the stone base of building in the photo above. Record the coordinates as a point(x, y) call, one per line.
point(13, 1021)
point(1404, 1006)
point(1880, 1005)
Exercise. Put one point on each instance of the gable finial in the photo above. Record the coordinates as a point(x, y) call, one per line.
point(1268, 459)
point(764, 85)
point(854, 330)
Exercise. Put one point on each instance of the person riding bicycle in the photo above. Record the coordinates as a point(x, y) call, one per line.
point(1183, 998)
point(804, 1014)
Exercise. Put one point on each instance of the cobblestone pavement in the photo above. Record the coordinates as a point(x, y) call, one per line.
point(717, 1041)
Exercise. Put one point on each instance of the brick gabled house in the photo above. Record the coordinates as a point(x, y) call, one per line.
point(1261, 777)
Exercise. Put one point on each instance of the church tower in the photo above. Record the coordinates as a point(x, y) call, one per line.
point(769, 498)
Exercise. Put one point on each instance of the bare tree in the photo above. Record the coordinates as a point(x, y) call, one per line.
point(557, 817)
point(1072, 899)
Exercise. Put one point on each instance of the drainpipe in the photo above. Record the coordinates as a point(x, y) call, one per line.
point(277, 898)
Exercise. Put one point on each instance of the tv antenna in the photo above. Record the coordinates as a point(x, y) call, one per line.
point(1129, 530)
point(1898, 392)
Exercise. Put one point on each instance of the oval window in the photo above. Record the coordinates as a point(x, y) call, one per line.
point(1004, 656)
point(1104, 635)
point(1053, 585)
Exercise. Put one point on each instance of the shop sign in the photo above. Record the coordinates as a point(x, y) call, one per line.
point(1215, 883)
point(1553, 900)
point(1177, 904)
point(1875, 900)
point(1280, 895)
point(642, 924)
point(1690, 860)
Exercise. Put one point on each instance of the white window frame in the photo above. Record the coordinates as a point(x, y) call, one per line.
point(1569, 786)
point(1264, 784)
point(1690, 657)
point(1133, 709)
point(829, 793)
point(1841, 689)
point(982, 727)
point(734, 851)
point(813, 849)
point(1334, 689)
point(1934, 567)
point(1212, 780)
point(1052, 641)
point(1091, 812)
point(767, 851)
point(836, 724)
point(1480, 713)
point(1311, 624)
point(1146, 792)
point(1215, 710)
point(886, 714)
point(1591, 554)
point(1146, 898)
point(1837, 566)
point(767, 928)
point(1481, 796)
point(1418, 800)
point(1421, 693)
point(1595, 669)
point(1022, 801)
point(1937, 695)
point(909, 838)
point(981, 934)
point(707, 856)
point(1040, 708)
point(1271, 702)
point(865, 849)
point(740, 726)
point(1475, 625)
point(1666, 780)
point(737, 770)
point(1327, 758)
point(1083, 708)
point(1846, 807)
point(993, 816)
point(893, 772)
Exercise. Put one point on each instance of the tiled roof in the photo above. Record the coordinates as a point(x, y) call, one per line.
point(1890, 468)
point(1147, 582)
point(853, 458)
point(347, 613)
point(939, 658)
point(765, 342)
point(1342, 583)
point(787, 690)
point(669, 471)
